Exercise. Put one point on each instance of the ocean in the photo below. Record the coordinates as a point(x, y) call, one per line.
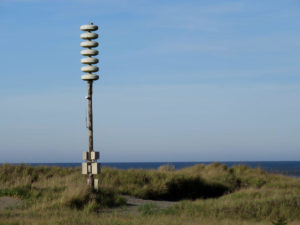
point(290, 168)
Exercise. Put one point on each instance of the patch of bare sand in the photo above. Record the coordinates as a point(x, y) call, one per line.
point(133, 204)
point(9, 202)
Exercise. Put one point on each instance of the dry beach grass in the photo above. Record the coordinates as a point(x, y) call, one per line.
point(212, 194)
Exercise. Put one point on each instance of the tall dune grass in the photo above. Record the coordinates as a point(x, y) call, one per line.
point(207, 194)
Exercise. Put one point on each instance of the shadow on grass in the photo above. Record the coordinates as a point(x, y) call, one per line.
point(193, 188)
point(179, 188)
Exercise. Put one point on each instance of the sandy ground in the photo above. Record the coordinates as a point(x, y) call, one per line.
point(7, 202)
point(134, 203)
point(131, 206)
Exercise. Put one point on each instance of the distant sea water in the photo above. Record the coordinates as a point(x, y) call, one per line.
point(290, 168)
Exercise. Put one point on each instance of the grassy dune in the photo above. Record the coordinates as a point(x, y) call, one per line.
point(212, 195)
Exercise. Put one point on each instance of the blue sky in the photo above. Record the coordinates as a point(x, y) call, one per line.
point(180, 80)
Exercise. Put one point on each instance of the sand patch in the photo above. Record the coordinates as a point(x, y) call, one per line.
point(9, 202)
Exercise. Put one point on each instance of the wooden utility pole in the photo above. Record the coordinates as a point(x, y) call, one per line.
point(90, 127)
point(90, 112)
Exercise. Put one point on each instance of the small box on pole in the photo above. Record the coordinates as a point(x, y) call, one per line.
point(84, 168)
point(94, 155)
point(95, 168)
point(85, 156)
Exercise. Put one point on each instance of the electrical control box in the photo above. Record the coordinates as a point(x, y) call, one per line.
point(84, 168)
point(95, 168)
point(94, 155)
point(85, 155)
point(90, 155)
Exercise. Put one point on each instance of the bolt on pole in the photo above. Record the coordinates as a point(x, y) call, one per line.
point(90, 167)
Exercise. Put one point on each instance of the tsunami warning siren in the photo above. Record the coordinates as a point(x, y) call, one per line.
point(90, 167)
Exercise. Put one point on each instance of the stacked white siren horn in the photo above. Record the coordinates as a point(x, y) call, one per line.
point(89, 52)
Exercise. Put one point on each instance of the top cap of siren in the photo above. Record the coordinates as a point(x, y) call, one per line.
point(89, 27)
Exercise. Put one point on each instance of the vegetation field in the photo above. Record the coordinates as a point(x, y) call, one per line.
point(203, 194)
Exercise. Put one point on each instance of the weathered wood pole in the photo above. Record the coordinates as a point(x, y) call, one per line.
point(90, 127)
point(90, 114)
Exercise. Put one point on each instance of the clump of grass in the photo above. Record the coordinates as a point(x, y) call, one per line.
point(23, 192)
point(82, 197)
point(166, 168)
point(216, 173)
point(280, 221)
point(76, 197)
point(149, 209)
